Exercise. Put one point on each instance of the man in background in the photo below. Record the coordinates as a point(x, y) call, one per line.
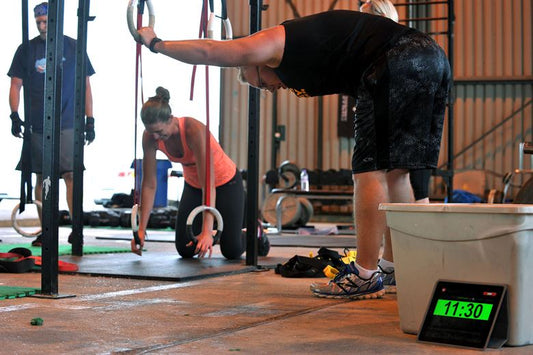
point(28, 69)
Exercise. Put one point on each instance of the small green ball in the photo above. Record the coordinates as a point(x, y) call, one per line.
point(37, 321)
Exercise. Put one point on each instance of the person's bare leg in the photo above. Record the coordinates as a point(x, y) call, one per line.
point(69, 183)
point(400, 191)
point(362, 281)
point(370, 189)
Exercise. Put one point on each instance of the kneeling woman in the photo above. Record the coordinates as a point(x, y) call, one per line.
point(183, 140)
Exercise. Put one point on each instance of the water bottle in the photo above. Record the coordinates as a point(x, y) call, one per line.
point(304, 180)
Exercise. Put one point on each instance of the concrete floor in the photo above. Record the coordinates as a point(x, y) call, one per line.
point(256, 312)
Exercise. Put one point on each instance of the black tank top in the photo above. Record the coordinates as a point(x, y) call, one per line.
point(327, 53)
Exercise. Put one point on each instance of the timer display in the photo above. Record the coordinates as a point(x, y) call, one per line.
point(466, 314)
point(461, 309)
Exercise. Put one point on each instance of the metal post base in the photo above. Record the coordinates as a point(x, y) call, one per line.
point(51, 296)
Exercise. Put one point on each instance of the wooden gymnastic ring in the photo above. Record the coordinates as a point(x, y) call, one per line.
point(135, 218)
point(129, 17)
point(214, 212)
point(16, 226)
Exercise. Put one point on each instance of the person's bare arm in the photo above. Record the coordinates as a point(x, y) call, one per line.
point(14, 93)
point(261, 48)
point(148, 188)
point(88, 98)
point(196, 140)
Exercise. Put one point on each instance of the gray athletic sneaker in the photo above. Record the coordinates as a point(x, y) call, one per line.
point(389, 280)
point(348, 284)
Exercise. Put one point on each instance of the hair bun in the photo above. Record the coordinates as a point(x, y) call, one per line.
point(162, 93)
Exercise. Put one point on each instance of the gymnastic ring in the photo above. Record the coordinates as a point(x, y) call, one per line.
point(225, 21)
point(228, 28)
point(135, 218)
point(211, 27)
point(16, 226)
point(129, 16)
point(214, 212)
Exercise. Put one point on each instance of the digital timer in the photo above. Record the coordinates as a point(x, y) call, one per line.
point(462, 309)
point(466, 314)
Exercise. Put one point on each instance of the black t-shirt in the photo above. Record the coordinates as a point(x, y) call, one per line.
point(327, 53)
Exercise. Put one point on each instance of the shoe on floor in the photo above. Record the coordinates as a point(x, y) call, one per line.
point(349, 285)
point(389, 279)
point(71, 238)
point(263, 246)
point(38, 242)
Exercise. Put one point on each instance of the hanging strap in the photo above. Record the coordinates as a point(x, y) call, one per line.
point(207, 193)
point(203, 33)
point(138, 80)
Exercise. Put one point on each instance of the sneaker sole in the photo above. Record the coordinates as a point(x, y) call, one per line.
point(367, 296)
point(390, 289)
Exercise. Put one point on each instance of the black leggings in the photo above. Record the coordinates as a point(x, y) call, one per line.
point(230, 204)
point(420, 182)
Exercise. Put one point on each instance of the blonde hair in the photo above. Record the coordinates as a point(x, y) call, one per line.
point(384, 8)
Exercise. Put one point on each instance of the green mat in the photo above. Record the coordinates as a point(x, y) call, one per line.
point(65, 249)
point(15, 292)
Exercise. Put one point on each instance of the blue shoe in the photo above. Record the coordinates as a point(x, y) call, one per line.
point(349, 285)
point(389, 280)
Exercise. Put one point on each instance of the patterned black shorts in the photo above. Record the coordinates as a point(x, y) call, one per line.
point(401, 101)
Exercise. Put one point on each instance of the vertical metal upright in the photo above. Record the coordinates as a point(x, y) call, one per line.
point(275, 139)
point(320, 135)
point(51, 133)
point(253, 151)
point(79, 127)
point(451, 99)
point(25, 176)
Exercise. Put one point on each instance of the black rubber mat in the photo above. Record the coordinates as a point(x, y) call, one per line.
point(157, 265)
point(160, 237)
point(315, 241)
point(283, 240)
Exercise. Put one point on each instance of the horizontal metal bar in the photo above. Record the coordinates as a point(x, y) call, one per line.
point(494, 80)
point(420, 3)
point(418, 19)
point(438, 33)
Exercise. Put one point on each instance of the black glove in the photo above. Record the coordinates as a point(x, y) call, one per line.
point(16, 124)
point(89, 130)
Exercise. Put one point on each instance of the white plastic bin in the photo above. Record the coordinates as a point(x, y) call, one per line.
point(490, 243)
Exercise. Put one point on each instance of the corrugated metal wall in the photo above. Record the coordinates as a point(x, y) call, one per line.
point(493, 74)
point(492, 69)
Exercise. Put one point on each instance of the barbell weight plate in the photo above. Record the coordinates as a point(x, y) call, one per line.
point(525, 194)
point(307, 211)
point(289, 174)
point(291, 210)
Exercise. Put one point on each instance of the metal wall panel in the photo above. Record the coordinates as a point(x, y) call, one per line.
point(492, 66)
point(493, 74)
